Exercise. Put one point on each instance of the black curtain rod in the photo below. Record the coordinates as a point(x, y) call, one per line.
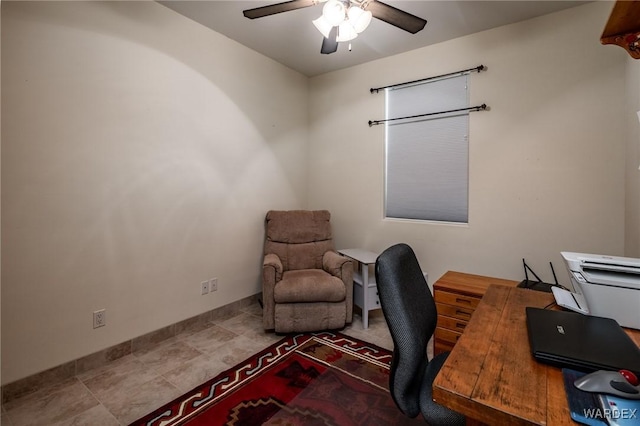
point(470, 109)
point(477, 69)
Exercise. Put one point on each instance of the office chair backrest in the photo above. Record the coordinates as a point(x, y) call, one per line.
point(410, 312)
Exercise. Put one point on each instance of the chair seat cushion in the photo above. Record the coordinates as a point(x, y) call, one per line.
point(309, 285)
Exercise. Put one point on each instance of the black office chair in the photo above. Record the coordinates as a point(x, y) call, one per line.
point(410, 312)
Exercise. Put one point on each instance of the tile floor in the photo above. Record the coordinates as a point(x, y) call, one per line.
point(132, 386)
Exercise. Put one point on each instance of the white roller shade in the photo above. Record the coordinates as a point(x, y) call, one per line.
point(427, 158)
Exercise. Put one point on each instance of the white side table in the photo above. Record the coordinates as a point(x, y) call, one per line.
point(365, 292)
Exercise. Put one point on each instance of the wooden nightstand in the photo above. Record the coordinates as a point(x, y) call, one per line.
point(457, 295)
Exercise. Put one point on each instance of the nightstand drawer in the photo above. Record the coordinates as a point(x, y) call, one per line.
point(451, 323)
point(374, 299)
point(460, 300)
point(454, 311)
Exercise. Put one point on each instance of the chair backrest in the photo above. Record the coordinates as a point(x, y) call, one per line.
point(410, 312)
point(299, 237)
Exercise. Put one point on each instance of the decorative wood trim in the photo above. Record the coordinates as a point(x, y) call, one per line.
point(623, 27)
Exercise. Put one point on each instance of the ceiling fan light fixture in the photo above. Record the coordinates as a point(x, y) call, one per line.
point(323, 26)
point(359, 18)
point(343, 20)
point(334, 12)
point(346, 32)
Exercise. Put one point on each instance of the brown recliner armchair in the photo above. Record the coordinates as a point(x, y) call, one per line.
point(306, 284)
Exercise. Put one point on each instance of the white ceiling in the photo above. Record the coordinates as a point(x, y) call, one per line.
point(291, 39)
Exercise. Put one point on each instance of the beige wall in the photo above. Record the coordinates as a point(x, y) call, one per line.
point(632, 217)
point(140, 154)
point(546, 161)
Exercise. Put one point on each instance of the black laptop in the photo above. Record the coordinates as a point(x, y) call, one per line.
point(582, 342)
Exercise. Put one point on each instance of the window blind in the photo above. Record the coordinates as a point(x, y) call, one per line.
point(426, 166)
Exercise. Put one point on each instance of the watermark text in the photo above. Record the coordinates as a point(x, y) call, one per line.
point(612, 413)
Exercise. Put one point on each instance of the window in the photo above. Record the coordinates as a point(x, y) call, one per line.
point(427, 158)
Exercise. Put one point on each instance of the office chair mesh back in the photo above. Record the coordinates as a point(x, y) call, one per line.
point(411, 315)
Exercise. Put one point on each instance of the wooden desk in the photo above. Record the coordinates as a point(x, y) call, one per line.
point(491, 376)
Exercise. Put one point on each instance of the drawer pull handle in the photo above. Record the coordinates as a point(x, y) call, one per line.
point(460, 325)
point(458, 312)
point(459, 300)
point(457, 337)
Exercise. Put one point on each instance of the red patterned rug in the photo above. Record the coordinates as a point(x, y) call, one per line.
point(323, 378)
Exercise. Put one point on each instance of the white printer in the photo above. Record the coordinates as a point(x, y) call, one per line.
point(608, 285)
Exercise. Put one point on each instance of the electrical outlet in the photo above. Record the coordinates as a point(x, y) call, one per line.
point(204, 287)
point(99, 318)
point(213, 284)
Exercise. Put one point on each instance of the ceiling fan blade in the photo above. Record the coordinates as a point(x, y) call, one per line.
point(272, 9)
point(396, 17)
point(330, 44)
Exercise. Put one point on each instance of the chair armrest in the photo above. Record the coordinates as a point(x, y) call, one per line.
point(272, 260)
point(332, 262)
point(341, 267)
point(271, 274)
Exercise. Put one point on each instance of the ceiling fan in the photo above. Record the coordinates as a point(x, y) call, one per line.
point(343, 20)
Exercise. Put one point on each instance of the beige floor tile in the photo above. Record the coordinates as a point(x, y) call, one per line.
point(95, 416)
point(241, 323)
point(168, 357)
point(129, 404)
point(100, 370)
point(48, 406)
point(122, 378)
point(254, 309)
point(195, 372)
point(262, 337)
point(210, 339)
point(237, 350)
